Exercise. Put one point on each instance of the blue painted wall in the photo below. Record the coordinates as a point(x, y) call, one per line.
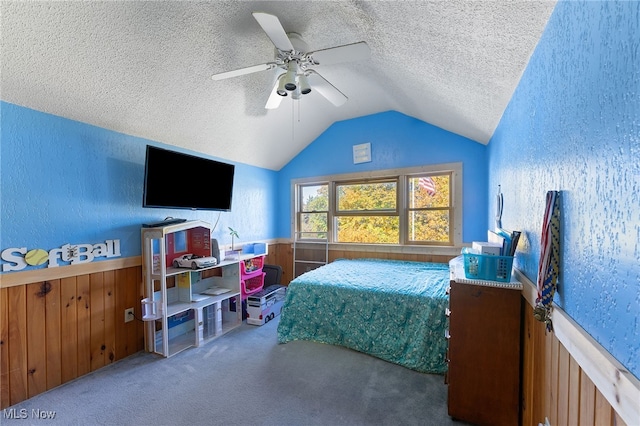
point(396, 141)
point(70, 182)
point(573, 125)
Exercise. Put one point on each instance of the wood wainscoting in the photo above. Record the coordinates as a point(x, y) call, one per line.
point(282, 254)
point(57, 324)
point(569, 378)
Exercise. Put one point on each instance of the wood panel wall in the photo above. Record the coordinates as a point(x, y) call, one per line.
point(282, 254)
point(56, 330)
point(555, 386)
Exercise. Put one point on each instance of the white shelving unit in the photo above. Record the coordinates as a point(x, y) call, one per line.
point(310, 250)
point(178, 314)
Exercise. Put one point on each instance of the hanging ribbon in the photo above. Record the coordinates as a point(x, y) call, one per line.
point(549, 260)
point(499, 207)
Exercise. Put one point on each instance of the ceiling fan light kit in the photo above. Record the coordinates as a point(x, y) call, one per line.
point(293, 57)
point(304, 84)
point(281, 89)
point(291, 76)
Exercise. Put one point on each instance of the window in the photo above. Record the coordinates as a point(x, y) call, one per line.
point(367, 212)
point(313, 211)
point(429, 209)
point(415, 206)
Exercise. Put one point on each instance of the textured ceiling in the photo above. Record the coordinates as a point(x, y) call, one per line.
point(143, 68)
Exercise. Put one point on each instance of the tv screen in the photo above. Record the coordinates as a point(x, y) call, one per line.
point(181, 181)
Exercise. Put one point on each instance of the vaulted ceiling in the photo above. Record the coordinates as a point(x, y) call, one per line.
point(144, 68)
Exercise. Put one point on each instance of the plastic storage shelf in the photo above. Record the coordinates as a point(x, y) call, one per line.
point(252, 285)
point(251, 276)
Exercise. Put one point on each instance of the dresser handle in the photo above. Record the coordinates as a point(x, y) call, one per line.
point(447, 312)
point(446, 334)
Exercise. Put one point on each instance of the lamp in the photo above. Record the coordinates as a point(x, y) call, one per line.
point(281, 90)
point(290, 76)
point(305, 88)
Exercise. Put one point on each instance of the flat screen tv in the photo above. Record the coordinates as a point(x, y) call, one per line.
point(181, 181)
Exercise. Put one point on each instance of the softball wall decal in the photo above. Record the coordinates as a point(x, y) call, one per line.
point(18, 258)
point(36, 257)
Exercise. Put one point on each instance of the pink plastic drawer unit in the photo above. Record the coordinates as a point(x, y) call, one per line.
point(252, 285)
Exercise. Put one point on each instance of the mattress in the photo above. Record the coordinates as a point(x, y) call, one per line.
point(393, 310)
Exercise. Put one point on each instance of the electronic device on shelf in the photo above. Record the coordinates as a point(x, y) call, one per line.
point(165, 222)
point(181, 181)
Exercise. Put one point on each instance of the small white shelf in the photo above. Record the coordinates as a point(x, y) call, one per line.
point(171, 271)
point(178, 307)
point(177, 322)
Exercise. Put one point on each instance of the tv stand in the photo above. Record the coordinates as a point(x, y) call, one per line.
point(165, 222)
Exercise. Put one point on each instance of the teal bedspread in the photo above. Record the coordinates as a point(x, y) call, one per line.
point(393, 310)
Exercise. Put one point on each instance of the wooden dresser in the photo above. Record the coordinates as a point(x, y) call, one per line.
point(484, 350)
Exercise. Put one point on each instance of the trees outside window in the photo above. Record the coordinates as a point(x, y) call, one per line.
point(313, 211)
point(411, 208)
point(366, 212)
point(429, 209)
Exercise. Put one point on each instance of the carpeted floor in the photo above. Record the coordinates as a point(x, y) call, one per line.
point(245, 378)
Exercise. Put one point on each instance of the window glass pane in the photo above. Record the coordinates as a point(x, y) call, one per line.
point(368, 229)
point(314, 198)
point(429, 225)
point(367, 196)
point(429, 191)
point(313, 225)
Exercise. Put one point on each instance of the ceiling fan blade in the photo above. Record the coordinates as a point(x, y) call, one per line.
point(243, 71)
point(347, 52)
point(276, 33)
point(326, 89)
point(274, 99)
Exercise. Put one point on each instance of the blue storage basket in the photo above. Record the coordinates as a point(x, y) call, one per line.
point(487, 267)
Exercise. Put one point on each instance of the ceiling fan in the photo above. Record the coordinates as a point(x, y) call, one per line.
point(292, 56)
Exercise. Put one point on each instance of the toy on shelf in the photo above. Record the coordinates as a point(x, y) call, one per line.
point(194, 261)
point(253, 264)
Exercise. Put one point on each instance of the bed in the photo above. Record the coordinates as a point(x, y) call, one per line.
point(390, 309)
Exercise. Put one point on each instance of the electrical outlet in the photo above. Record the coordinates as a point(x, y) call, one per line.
point(128, 315)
